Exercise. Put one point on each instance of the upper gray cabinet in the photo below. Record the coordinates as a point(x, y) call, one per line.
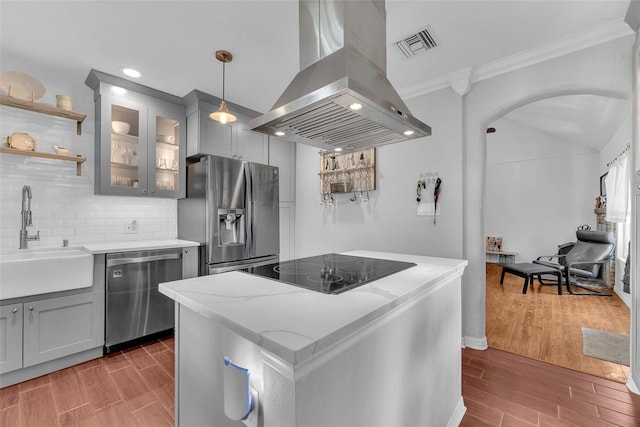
point(234, 140)
point(283, 154)
point(140, 139)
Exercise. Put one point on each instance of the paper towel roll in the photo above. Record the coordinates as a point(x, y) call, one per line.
point(238, 402)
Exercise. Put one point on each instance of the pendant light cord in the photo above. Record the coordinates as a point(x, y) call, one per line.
point(223, 67)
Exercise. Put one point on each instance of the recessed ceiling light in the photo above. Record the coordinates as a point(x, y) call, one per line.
point(337, 149)
point(131, 72)
point(355, 106)
point(118, 90)
point(279, 133)
point(408, 132)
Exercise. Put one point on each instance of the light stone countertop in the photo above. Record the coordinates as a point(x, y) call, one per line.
point(295, 323)
point(136, 245)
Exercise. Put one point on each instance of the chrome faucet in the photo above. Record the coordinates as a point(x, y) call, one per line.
point(26, 218)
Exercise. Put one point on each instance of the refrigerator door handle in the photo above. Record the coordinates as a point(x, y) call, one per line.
point(248, 249)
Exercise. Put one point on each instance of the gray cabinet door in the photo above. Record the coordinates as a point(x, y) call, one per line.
point(283, 155)
point(215, 138)
point(149, 158)
point(58, 327)
point(264, 237)
point(166, 147)
point(10, 338)
point(121, 157)
point(251, 146)
point(287, 231)
point(232, 140)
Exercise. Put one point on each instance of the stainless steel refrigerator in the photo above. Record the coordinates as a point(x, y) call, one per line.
point(232, 209)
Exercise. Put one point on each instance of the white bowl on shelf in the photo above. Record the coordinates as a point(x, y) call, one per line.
point(60, 150)
point(164, 138)
point(120, 127)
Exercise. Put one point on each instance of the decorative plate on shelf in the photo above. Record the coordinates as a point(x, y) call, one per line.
point(21, 86)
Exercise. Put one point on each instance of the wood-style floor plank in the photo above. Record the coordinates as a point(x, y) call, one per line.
point(154, 415)
point(81, 416)
point(132, 386)
point(37, 407)
point(99, 386)
point(525, 392)
point(68, 392)
point(10, 416)
point(128, 388)
point(545, 326)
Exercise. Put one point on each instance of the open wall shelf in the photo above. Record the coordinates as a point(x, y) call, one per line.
point(347, 172)
point(44, 109)
point(79, 160)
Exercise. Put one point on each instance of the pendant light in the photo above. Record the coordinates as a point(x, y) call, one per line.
point(223, 115)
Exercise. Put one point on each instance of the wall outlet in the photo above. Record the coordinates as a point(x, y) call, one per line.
point(131, 227)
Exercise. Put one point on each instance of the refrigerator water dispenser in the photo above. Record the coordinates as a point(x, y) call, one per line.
point(231, 227)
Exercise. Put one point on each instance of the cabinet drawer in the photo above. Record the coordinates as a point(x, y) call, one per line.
point(59, 327)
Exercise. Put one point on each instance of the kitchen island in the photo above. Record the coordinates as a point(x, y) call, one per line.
point(384, 354)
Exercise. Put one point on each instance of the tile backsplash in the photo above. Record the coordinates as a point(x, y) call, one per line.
point(71, 211)
point(64, 205)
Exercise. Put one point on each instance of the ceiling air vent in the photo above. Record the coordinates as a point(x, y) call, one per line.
point(416, 43)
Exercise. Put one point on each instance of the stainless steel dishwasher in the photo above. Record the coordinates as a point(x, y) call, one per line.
point(134, 307)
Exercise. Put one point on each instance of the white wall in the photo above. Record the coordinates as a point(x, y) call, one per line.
point(388, 222)
point(540, 188)
point(63, 205)
point(616, 145)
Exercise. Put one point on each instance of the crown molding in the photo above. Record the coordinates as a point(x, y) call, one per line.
point(426, 86)
point(461, 79)
point(598, 35)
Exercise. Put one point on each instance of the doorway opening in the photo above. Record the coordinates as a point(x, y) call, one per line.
point(542, 179)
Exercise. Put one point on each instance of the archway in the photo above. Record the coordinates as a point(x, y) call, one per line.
point(543, 165)
point(596, 71)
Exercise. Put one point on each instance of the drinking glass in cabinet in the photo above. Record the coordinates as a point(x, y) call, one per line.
point(121, 181)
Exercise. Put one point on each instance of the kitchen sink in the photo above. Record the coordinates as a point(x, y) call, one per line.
point(43, 270)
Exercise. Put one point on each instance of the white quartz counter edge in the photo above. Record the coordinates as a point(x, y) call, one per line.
point(137, 245)
point(295, 323)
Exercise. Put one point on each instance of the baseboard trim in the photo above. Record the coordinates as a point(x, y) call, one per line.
point(458, 414)
point(31, 372)
point(475, 343)
point(632, 385)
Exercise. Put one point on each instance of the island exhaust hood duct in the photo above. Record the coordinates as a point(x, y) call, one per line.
point(341, 98)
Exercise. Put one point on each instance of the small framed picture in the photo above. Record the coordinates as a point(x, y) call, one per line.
point(603, 187)
point(494, 244)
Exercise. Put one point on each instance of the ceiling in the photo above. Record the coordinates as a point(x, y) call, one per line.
point(589, 120)
point(173, 42)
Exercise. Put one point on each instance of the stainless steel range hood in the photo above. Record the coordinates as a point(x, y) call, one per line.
point(343, 58)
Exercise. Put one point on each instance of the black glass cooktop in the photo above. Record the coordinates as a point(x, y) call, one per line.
point(330, 273)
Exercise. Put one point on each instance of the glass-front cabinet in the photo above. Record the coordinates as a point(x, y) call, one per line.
point(140, 142)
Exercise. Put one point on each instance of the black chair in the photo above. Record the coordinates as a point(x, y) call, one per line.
point(591, 250)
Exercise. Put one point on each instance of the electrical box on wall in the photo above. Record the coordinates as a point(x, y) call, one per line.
point(131, 227)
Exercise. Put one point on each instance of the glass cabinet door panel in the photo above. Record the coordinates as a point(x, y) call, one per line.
point(125, 147)
point(167, 154)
